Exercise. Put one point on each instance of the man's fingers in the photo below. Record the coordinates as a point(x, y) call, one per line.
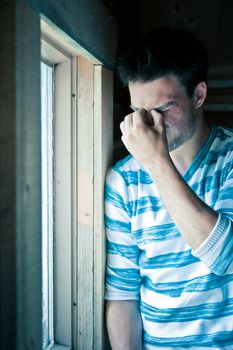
point(158, 120)
point(122, 127)
point(128, 121)
point(127, 124)
point(139, 117)
point(142, 118)
point(134, 119)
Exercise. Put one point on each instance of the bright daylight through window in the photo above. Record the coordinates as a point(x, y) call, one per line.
point(47, 200)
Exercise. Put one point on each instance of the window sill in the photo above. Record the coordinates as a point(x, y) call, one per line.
point(57, 347)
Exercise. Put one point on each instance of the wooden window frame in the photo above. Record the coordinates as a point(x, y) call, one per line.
point(20, 153)
point(61, 243)
point(90, 148)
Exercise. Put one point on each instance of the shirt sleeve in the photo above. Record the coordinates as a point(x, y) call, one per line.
point(123, 279)
point(217, 250)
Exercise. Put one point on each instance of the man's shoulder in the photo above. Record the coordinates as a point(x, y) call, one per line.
point(126, 164)
point(224, 133)
point(220, 139)
point(220, 154)
point(130, 171)
point(223, 139)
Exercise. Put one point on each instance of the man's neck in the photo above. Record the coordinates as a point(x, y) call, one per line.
point(183, 156)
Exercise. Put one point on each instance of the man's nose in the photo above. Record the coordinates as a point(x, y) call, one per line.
point(149, 119)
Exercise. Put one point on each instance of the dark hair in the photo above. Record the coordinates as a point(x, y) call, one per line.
point(164, 51)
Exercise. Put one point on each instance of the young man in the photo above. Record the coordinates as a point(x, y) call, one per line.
point(169, 206)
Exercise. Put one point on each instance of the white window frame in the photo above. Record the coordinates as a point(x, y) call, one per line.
point(47, 117)
point(61, 275)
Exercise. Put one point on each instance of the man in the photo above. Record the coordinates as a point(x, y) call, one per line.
point(169, 206)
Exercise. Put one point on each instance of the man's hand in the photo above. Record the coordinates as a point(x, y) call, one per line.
point(144, 135)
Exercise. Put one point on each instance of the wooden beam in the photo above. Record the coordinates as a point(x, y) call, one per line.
point(20, 219)
point(85, 207)
point(7, 175)
point(86, 22)
point(103, 146)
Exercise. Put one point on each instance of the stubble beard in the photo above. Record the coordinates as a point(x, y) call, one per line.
point(178, 140)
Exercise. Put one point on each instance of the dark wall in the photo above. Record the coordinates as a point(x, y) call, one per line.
point(210, 20)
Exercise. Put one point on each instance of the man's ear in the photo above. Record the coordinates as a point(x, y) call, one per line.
point(199, 95)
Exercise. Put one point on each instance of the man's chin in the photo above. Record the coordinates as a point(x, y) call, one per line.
point(174, 145)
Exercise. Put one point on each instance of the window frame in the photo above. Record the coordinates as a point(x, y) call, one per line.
point(60, 317)
point(91, 135)
point(47, 183)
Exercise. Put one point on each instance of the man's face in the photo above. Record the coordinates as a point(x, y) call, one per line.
point(167, 96)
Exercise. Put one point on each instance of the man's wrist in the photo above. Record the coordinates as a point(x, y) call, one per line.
point(161, 167)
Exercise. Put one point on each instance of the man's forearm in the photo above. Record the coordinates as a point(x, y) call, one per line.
point(193, 218)
point(124, 325)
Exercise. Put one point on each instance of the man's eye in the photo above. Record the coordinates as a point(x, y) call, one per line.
point(159, 111)
point(166, 111)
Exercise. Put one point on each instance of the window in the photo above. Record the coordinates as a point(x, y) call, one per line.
point(79, 145)
point(47, 72)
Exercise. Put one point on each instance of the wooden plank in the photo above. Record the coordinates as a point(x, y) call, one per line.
point(86, 22)
point(7, 175)
point(103, 144)
point(74, 177)
point(28, 146)
point(85, 197)
point(20, 177)
point(63, 204)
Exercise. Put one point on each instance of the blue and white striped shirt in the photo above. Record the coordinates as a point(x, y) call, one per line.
point(186, 296)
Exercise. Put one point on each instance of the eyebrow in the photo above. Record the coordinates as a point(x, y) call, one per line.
point(160, 109)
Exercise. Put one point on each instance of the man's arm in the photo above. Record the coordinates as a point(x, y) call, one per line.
point(123, 279)
point(124, 324)
point(193, 218)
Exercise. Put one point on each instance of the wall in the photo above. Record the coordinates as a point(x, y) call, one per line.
point(210, 20)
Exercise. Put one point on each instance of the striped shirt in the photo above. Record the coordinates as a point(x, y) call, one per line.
point(186, 296)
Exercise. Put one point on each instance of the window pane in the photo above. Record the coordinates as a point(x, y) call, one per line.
point(47, 200)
